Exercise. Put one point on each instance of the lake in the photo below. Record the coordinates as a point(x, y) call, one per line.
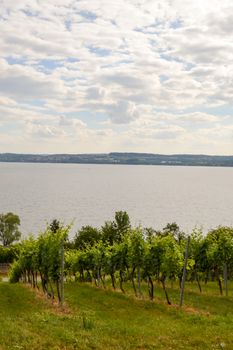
point(90, 194)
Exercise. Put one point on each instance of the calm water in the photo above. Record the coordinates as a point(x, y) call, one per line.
point(90, 194)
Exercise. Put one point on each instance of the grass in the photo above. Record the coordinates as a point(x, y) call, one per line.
point(101, 319)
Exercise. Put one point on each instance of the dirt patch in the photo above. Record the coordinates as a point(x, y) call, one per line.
point(53, 304)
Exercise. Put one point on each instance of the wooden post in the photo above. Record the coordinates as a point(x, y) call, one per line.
point(62, 273)
point(225, 279)
point(184, 273)
point(139, 281)
point(98, 277)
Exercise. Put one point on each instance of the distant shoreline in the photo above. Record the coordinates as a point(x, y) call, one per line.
point(121, 159)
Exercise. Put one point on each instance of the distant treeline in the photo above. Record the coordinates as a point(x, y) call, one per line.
point(121, 158)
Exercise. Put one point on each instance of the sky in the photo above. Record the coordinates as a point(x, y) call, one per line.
point(96, 76)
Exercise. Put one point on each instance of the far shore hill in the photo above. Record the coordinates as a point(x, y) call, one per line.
point(121, 158)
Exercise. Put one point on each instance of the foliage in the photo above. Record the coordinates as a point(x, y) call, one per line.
point(9, 254)
point(116, 230)
point(9, 228)
point(122, 254)
point(16, 271)
point(174, 230)
point(86, 236)
point(41, 256)
point(54, 225)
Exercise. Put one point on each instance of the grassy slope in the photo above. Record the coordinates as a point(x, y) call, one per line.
point(99, 319)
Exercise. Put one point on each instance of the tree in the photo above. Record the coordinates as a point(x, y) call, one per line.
point(199, 248)
point(220, 252)
point(171, 261)
point(121, 224)
point(149, 233)
point(108, 233)
point(115, 231)
point(9, 228)
point(136, 256)
point(44, 256)
point(174, 230)
point(122, 264)
point(55, 225)
point(152, 262)
point(9, 254)
point(86, 236)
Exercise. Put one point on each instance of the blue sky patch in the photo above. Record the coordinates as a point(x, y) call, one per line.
point(15, 60)
point(88, 15)
point(98, 51)
point(176, 24)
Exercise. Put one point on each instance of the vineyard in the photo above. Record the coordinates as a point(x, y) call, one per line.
point(120, 255)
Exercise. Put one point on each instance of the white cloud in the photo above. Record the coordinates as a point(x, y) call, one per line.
point(151, 68)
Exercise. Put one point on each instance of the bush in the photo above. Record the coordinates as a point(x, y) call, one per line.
point(15, 272)
point(8, 254)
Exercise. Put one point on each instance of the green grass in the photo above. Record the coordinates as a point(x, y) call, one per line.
point(101, 319)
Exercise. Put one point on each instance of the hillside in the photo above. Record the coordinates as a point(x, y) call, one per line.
point(121, 158)
point(101, 319)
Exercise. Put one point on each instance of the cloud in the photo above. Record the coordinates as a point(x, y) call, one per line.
point(105, 71)
point(71, 122)
point(18, 81)
point(123, 112)
point(44, 131)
